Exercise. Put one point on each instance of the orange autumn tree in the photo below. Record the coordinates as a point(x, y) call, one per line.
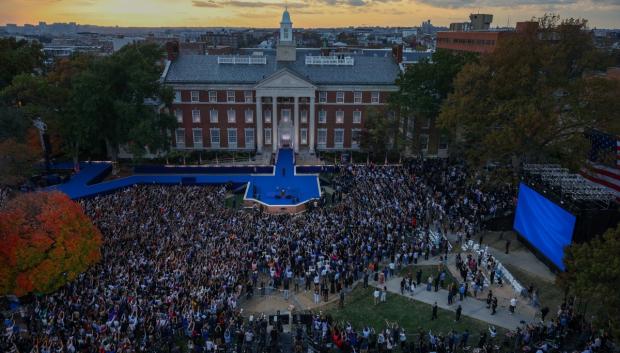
point(46, 240)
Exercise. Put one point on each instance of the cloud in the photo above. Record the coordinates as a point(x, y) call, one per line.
point(211, 3)
point(246, 4)
point(498, 3)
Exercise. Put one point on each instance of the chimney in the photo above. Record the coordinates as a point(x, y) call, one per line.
point(172, 48)
point(397, 51)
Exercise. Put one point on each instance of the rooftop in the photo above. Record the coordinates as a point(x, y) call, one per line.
point(366, 70)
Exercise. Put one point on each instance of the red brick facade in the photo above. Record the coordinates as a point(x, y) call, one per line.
point(222, 106)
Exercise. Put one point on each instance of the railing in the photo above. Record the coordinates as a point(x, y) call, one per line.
point(330, 60)
point(246, 60)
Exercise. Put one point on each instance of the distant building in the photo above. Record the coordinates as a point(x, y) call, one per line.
point(476, 42)
point(474, 36)
point(222, 38)
point(480, 22)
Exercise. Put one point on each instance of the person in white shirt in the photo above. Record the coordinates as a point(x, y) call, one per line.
point(513, 305)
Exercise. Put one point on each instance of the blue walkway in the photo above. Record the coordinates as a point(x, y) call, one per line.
point(282, 187)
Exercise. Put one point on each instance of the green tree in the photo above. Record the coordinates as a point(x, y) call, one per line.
point(423, 88)
point(532, 99)
point(18, 57)
point(378, 136)
point(108, 101)
point(16, 162)
point(592, 274)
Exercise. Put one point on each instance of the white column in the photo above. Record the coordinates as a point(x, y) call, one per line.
point(259, 124)
point(296, 126)
point(274, 124)
point(311, 127)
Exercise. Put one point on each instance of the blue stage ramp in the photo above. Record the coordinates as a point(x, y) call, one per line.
point(283, 187)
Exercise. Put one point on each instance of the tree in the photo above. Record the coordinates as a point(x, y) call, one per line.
point(531, 100)
point(46, 240)
point(16, 162)
point(592, 273)
point(378, 135)
point(108, 102)
point(18, 57)
point(423, 88)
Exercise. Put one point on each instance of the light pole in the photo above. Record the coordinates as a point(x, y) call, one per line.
point(42, 127)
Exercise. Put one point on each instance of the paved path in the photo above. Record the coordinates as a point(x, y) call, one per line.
point(471, 307)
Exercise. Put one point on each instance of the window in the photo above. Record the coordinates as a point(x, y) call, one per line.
point(424, 142)
point(304, 116)
point(268, 136)
point(197, 138)
point(179, 114)
point(215, 137)
point(339, 97)
point(286, 115)
point(426, 123)
point(322, 117)
point(267, 116)
point(323, 97)
point(357, 98)
point(196, 116)
point(249, 116)
point(248, 96)
point(230, 96)
point(321, 138)
point(356, 136)
point(213, 96)
point(232, 138)
point(443, 142)
point(357, 117)
point(177, 96)
point(375, 98)
point(303, 134)
point(232, 116)
point(339, 117)
point(339, 137)
point(180, 137)
point(195, 96)
point(213, 116)
point(249, 138)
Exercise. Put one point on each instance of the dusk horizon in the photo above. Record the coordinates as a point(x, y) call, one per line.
point(308, 14)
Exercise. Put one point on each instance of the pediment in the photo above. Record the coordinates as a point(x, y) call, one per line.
point(285, 79)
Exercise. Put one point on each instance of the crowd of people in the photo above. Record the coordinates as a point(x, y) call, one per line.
point(176, 262)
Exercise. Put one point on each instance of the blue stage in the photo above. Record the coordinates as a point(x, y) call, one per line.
point(282, 187)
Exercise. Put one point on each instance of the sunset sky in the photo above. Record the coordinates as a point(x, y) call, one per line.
point(312, 13)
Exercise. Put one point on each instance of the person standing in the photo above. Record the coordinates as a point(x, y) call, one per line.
point(543, 313)
point(434, 311)
point(376, 295)
point(494, 306)
point(507, 246)
point(513, 305)
point(464, 338)
point(418, 277)
point(459, 310)
point(384, 294)
point(341, 302)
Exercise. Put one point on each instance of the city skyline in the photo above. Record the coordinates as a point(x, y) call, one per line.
point(307, 14)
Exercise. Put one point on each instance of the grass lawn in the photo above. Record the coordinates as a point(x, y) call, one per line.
point(549, 293)
point(414, 316)
point(426, 271)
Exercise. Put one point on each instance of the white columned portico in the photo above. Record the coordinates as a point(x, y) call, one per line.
point(259, 124)
point(274, 124)
point(311, 125)
point(296, 126)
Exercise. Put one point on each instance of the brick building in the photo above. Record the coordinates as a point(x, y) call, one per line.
point(267, 99)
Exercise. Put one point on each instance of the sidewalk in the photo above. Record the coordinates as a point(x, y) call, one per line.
point(470, 307)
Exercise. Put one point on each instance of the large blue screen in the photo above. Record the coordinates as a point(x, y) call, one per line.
point(546, 226)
